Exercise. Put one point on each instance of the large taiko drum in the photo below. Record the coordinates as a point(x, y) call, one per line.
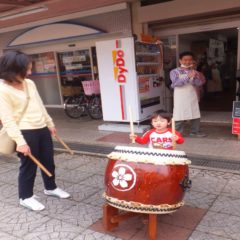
point(146, 180)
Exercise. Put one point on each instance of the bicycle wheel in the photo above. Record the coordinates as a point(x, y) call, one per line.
point(95, 108)
point(74, 106)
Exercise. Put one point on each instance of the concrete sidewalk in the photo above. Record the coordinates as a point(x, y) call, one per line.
point(220, 143)
point(211, 211)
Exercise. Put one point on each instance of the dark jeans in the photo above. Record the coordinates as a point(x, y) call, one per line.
point(41, 145)
point(195, 125)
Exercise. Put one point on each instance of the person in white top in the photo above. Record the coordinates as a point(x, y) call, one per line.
point(185, 80)
point(32, 133)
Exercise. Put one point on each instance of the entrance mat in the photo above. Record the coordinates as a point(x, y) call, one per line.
point(118, 137)
point(178, 225)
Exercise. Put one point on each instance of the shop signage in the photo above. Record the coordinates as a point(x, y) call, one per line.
point(236, 126)
point(120, 73)
point(119, 64)
point(149, 38)
point(236, 109)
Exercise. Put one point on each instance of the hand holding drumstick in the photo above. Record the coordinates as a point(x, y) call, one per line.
point(176, 138)
point(132, 137)
point(26, 151)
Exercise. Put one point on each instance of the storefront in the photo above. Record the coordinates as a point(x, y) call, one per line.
point(211, 32)
point(64, 53)
point(216, 49)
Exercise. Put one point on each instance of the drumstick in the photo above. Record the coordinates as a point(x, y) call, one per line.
point(173, 134)
point(64, 144)
point(131, 123)
point(39, 165)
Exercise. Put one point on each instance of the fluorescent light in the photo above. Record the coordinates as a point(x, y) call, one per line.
point(24, 12)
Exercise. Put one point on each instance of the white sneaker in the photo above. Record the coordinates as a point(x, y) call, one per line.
point(57, 192)
point(32, 204)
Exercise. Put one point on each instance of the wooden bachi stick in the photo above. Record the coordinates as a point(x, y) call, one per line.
point(173, 133)
point(131, 123)
point(64, 144)
point(39, 165)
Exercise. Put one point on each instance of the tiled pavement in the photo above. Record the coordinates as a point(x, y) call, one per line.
point(211, 212)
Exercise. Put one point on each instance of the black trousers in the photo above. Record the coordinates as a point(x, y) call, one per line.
point(41, 145)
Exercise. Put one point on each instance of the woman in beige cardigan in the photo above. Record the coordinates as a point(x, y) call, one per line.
point(32, 133)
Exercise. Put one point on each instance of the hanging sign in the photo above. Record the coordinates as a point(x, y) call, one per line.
point(236, 109)
point(236, 126)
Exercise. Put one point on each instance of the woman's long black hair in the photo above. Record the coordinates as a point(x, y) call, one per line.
point(13, 64)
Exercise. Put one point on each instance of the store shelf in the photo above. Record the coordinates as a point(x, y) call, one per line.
point(147, 63)
point(75, 74)
point(80, 67)
point(147, 54)
point(149, 75)
point(43, 75)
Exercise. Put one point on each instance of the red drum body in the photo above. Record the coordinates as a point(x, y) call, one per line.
point(146, 180)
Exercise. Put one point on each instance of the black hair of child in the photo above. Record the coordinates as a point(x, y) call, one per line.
point(186, 53)
point(162, 114)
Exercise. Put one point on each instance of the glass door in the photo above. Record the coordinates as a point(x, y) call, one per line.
point(170, 58)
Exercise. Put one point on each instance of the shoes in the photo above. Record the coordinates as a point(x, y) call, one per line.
point(57, 192)
point(32, 204)
point(198, 135)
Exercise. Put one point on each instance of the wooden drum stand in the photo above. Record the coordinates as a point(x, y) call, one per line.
point(112, 218)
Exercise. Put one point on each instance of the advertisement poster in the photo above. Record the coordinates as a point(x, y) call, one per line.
point(43, 63)
point(143, 84)
point(216, 49)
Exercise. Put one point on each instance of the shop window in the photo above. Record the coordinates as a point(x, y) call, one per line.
point(44, 74)
point(74, 67)
point(151, 2)
point(43, 63)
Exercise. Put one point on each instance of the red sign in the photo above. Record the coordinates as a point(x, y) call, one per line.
point(119, 64)
point(236, 126)
point(120, 73)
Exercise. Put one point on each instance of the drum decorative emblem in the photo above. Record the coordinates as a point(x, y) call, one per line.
point(123, 177)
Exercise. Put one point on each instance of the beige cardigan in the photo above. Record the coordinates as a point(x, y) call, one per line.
point(12, 102)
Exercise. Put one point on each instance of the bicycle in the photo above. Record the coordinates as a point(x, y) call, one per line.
point(88, 102)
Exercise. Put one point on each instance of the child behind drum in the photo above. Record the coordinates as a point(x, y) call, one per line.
point(160, 136)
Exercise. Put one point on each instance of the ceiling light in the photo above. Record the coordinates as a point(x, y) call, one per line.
point(24, 12)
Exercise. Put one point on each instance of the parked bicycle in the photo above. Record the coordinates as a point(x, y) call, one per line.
point(87, 103)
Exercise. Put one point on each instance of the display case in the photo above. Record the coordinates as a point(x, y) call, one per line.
point(74, 67)
point(130, 74)
point(149, 66)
